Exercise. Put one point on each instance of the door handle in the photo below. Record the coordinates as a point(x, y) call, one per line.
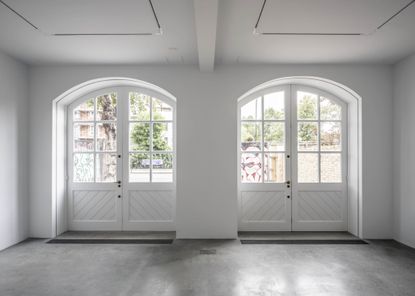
point(288, 184)
point(119, 183)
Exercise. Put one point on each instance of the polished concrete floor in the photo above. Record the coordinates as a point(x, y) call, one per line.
point(34, 268)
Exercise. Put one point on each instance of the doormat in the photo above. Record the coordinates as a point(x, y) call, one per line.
point(111, 241)
point(304, 242)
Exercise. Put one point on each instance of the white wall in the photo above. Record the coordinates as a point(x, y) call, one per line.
point(14, 140)
point(207, 114)
point(404, 156)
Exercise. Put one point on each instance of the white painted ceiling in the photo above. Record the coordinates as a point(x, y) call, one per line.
point(177, 44)
point(207, 31)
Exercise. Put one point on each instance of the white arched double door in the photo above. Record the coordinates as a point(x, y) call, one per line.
point(293, 160)
point(121, 161)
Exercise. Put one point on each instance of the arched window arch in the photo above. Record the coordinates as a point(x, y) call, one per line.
point(293, 160)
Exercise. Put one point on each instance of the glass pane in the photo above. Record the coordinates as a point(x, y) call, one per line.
point(251, 136)
point(163, 136)
point(331, 168)
point(107, 107)
point(252, 110)
point(274, 106)
point(251, 167)
point(329, 110)
point(139, 170)
point(106, 137)
point(274, 167)
point(274, 139)
point(139, 106)
point(85, 111)
point(161, 110)
point(83, 167)
point(139, 137)
point(106, 166)
point(83, 137)
point(307, 168)
point(162, 167)
point(330, 136)
point(307, 136)
point(306, 106)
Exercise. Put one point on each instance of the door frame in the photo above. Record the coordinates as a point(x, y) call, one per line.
point(122, 163)
point(291, 140)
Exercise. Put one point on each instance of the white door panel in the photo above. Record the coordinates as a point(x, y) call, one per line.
point(267, 210)
point(265, 166)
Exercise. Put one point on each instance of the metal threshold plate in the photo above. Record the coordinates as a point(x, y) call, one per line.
point(304, 242)
point(111, 241)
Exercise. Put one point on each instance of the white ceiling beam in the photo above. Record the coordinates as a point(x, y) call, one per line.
point(206, 19)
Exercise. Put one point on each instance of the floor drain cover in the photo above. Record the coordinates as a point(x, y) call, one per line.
point(207, 251)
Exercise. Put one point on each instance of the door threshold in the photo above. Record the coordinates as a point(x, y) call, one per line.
point(118, 235)
point(296, 235)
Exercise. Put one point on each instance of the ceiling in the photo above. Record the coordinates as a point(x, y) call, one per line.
point(207, 32)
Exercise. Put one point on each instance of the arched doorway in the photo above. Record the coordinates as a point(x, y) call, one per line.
point(299, 154)
point(121, 157)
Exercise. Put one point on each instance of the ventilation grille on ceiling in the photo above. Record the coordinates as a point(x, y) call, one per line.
point(26, 20)
point(256, 32)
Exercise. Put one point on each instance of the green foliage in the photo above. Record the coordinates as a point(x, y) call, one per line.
point(251, 132)
point(271, 113)
point(307, 109)
point(140, 134)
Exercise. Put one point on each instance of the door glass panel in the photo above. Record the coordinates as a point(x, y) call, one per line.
point(251, 167)
point(330, 136)
point(83, 137)
point(252, 110)
point(139, 170)
point(139, 107)
point(162, 136)
point(107, 107)
point(306, 106)
point(308, 168)
point(106, 137)
point(329, 110)
point(162, 167)
point(83, 167)
point(85, 111)
point(307, 136)
point(331, 168)
point(106, 167)
point(274, 139)
point(161, 110)
point(274, 167)
point(139, 136)
point(274, 106)
point(251, 136)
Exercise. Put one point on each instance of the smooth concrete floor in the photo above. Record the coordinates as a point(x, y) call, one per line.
point(34, 268)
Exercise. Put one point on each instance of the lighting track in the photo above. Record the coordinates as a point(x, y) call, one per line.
point(256, 32)
point(22, 17)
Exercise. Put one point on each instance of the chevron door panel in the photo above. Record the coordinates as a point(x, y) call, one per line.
point(94, 205)
point(263, 206)
point(320, 205)
point(152, 205)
